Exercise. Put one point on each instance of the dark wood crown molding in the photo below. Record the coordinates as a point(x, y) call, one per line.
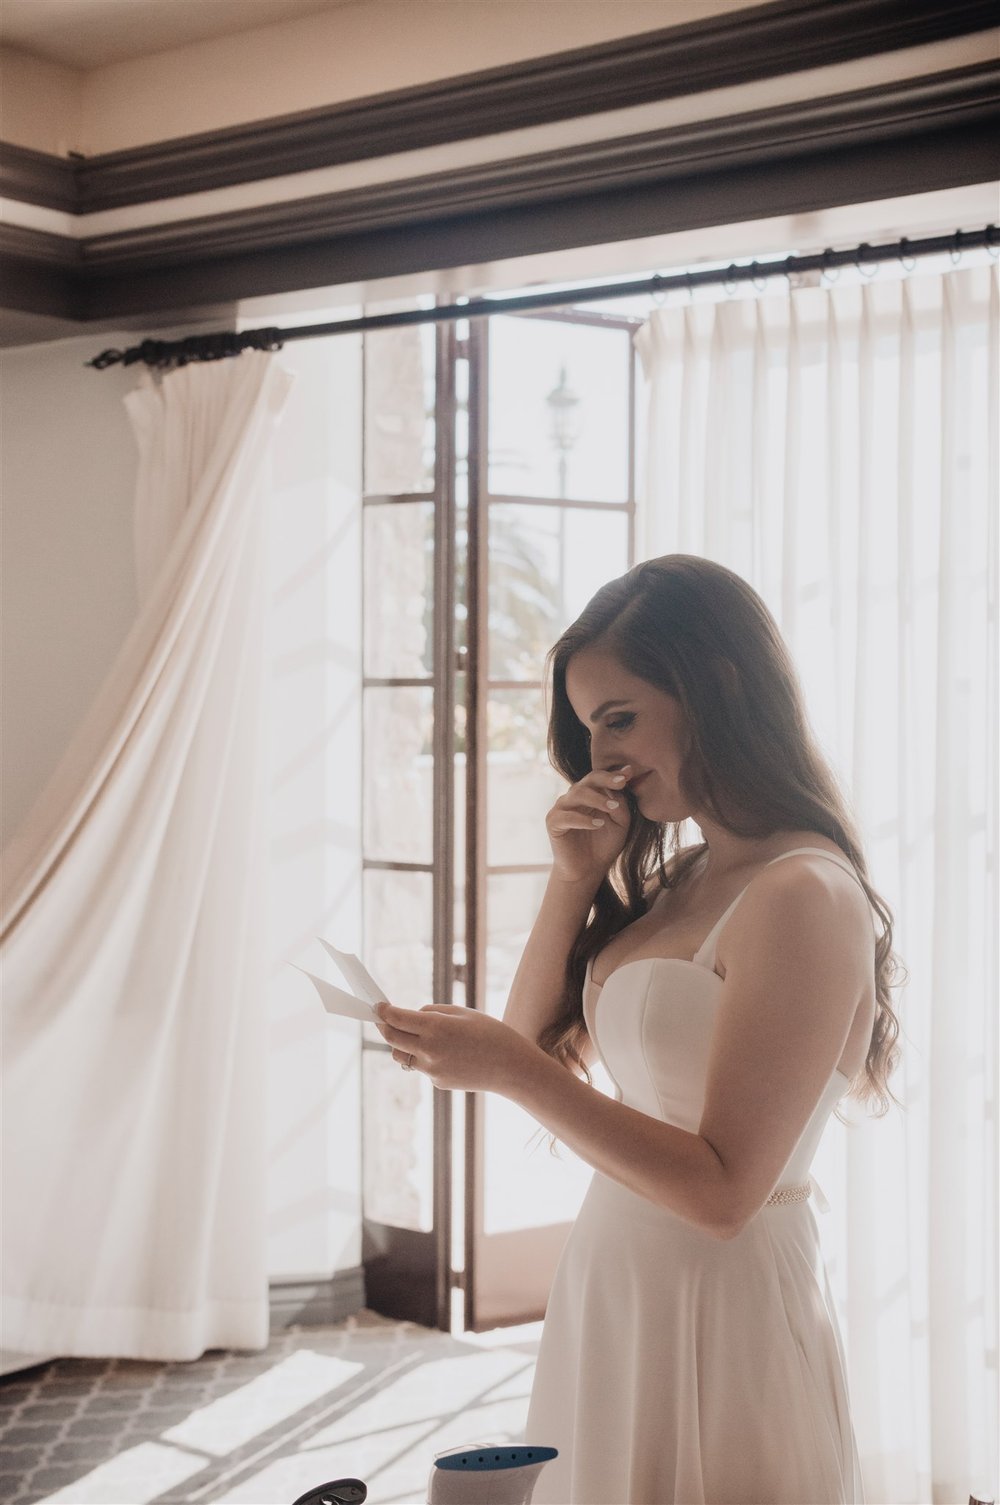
point(40, 246)
point(762, 41)
point(967, 96)
point(33, 177)
point(913, 136)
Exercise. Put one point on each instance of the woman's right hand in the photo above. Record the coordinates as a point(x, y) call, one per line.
point(585, 834)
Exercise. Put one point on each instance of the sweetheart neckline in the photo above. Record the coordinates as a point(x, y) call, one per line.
point(637, 961)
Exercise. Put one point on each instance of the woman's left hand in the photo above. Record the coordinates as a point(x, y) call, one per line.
point(458, 1048)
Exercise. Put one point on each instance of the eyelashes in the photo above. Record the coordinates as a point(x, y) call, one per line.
point(620, 724)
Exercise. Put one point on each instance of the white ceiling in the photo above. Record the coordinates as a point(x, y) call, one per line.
point(89, 33)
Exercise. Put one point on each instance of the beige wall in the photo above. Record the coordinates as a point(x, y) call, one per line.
point(66, 569)
point(40, 103)
point(346, 53)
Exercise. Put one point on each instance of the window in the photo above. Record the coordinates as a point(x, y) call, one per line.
point(499, 494)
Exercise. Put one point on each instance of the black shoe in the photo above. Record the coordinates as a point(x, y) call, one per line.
point(337, 1492)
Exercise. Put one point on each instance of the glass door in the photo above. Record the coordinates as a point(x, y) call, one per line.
point(551, 518)
point(499, 494)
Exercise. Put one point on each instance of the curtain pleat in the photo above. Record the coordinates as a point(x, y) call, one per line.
point(838, 447)
point(134, 1168)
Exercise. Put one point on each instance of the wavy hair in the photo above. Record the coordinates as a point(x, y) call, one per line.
point(697, 631)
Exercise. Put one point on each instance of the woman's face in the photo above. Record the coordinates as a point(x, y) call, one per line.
point(630, 721)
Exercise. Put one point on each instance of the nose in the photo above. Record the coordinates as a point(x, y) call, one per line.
point(608, 763)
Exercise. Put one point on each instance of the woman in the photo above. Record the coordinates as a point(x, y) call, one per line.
point(734, 992)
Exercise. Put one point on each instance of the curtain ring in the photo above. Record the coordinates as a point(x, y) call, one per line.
point(690, 287)
point(868, 276)
point(955, 252)
point(730, 274)
point(788, 272)
point(992, 239)
point(902, 256)
point(761, 287)
point(826, 270)
point(659, 293)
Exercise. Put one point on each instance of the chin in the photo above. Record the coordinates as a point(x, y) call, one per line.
point(652, 810)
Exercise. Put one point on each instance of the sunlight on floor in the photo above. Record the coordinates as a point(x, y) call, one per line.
point(368, 1398)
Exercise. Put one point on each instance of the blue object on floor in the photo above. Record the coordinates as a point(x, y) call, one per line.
point(487, 1473)
point(490, 1456)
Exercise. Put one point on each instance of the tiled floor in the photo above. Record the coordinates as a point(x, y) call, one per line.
point(369, 1398)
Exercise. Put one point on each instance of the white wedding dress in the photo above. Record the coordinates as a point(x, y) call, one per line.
point(676, 1368)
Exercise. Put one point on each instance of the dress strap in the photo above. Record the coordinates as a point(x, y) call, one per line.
point(705, 955)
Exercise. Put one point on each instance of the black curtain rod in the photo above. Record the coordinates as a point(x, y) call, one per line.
point(166, 354)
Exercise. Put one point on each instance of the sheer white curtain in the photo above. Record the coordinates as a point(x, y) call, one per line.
point(838, 447)
point(133, 1165)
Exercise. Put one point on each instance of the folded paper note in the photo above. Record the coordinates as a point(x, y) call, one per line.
point(360, 981)
point(336, 1001)
point(365, 991)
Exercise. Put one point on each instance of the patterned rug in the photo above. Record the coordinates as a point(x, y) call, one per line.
point(369, 1397)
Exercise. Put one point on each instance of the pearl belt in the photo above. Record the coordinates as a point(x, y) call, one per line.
point(790, 1194)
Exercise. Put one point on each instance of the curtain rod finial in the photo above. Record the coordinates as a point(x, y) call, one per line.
point(105, 359)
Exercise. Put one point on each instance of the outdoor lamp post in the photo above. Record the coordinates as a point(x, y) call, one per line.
point(563, 402)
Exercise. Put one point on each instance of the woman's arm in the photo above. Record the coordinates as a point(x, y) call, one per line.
point(666, 1165)
point(587, 827)
point(536, 992)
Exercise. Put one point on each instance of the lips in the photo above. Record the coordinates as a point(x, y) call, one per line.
point(633, 784)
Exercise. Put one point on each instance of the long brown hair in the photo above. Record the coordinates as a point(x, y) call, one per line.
point(697, 631)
